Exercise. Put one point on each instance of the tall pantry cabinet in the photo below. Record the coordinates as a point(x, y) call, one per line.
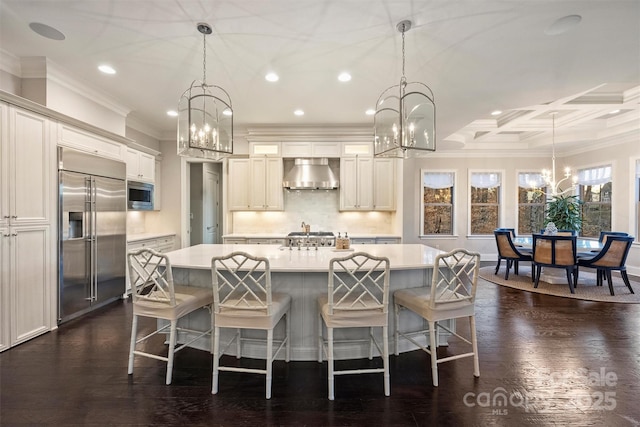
point(27, 225)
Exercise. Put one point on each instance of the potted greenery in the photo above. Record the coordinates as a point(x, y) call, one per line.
point(564, 211)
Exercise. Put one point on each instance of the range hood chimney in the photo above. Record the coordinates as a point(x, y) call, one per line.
point(311, 174)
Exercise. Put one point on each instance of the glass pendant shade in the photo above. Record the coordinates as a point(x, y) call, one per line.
point(205, 122)
point(404, 122)
point(205, 115)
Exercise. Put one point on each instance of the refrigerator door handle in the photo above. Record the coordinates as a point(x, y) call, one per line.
point(88, 237)
point(94, 238)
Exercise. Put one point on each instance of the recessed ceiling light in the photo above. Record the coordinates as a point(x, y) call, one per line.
point(370, 112)
point(496, 113)
point(614, 112)
point(344, 77)
point(46, 31)
point(562, 25)
point(299, 112)
point(172, 113)
point(107, 69)
point(271, 77)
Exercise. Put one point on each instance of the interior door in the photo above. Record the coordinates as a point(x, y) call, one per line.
point(210, 206)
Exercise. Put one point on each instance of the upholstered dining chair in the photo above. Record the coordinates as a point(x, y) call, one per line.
point(243, 299)
point(451, 296)
point(612, 257)
point(509, 252)
point(155, 295)
point(557, 251)
point(357, 297)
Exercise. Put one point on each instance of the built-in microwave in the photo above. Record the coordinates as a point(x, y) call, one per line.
point(139, 196)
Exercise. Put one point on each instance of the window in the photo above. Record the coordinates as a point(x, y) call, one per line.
point(485, 202)
point(531, 202)
point(595, 193)
point(437, 202)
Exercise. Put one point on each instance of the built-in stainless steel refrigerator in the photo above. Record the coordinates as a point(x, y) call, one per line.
point(92, 232)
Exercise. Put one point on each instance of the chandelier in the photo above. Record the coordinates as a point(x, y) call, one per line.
point(549, 176)
point(405, 117)
point(205, 116)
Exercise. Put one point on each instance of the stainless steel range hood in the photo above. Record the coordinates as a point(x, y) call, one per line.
point(310, 174)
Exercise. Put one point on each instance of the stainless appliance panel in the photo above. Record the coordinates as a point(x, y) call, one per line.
point(75, 245)
point(92, 234)
point(110, 237)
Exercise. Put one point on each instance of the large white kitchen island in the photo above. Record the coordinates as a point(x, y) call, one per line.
point(303, 274)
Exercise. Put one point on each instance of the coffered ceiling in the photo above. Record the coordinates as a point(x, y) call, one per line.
point(477, 57)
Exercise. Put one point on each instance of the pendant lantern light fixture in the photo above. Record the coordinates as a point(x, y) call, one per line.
point(549, 176)
point(405, 117)
point(205, 115)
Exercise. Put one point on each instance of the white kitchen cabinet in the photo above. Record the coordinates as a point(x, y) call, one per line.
point(388, 240)
point(266, 191)
point(239, 173)
point(27, 202)
point(384, 184)
point(255, 184)
point(234, 240)
point(72, 137)
point(356, 186)
point(158, 244)
point(264, 241)
point(26, 165)
point(311, 149)
point(29, 287)
point(367, 184)
point(141, 166)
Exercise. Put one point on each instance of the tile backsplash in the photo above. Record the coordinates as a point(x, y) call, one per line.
point(320, 209)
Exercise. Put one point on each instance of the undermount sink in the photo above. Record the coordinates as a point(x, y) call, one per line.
point(312, 233)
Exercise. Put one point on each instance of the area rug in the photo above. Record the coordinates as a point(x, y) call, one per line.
point(586, 290)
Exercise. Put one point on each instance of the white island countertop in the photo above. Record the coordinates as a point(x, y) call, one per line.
point(283, 259)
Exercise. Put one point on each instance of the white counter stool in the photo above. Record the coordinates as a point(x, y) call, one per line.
point(154, 295)
point(357, 297)
point(243, 300)
point(451, 296)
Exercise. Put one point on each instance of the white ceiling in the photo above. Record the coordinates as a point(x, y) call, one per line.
point(477, 56)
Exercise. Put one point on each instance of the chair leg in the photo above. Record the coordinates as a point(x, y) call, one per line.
point(330, 361)
point(171, 350)
point(506, 273)
point(238, 343)
point(396, 313)
point(533, 272)
point(570, 279)
point(599, 273)
point(134, 333)
point(498, 265)
point(269, 362)
point(216, 359)
point(320, 340)
point(371, 343)
point(515, 267)
point(623, 273)
point(287, 326)
point(610, 282)
point(434, 352)
point(537, 276)
point(474, 345)
point(385, 359)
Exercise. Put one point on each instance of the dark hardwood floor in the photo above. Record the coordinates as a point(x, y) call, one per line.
point(557, 361)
